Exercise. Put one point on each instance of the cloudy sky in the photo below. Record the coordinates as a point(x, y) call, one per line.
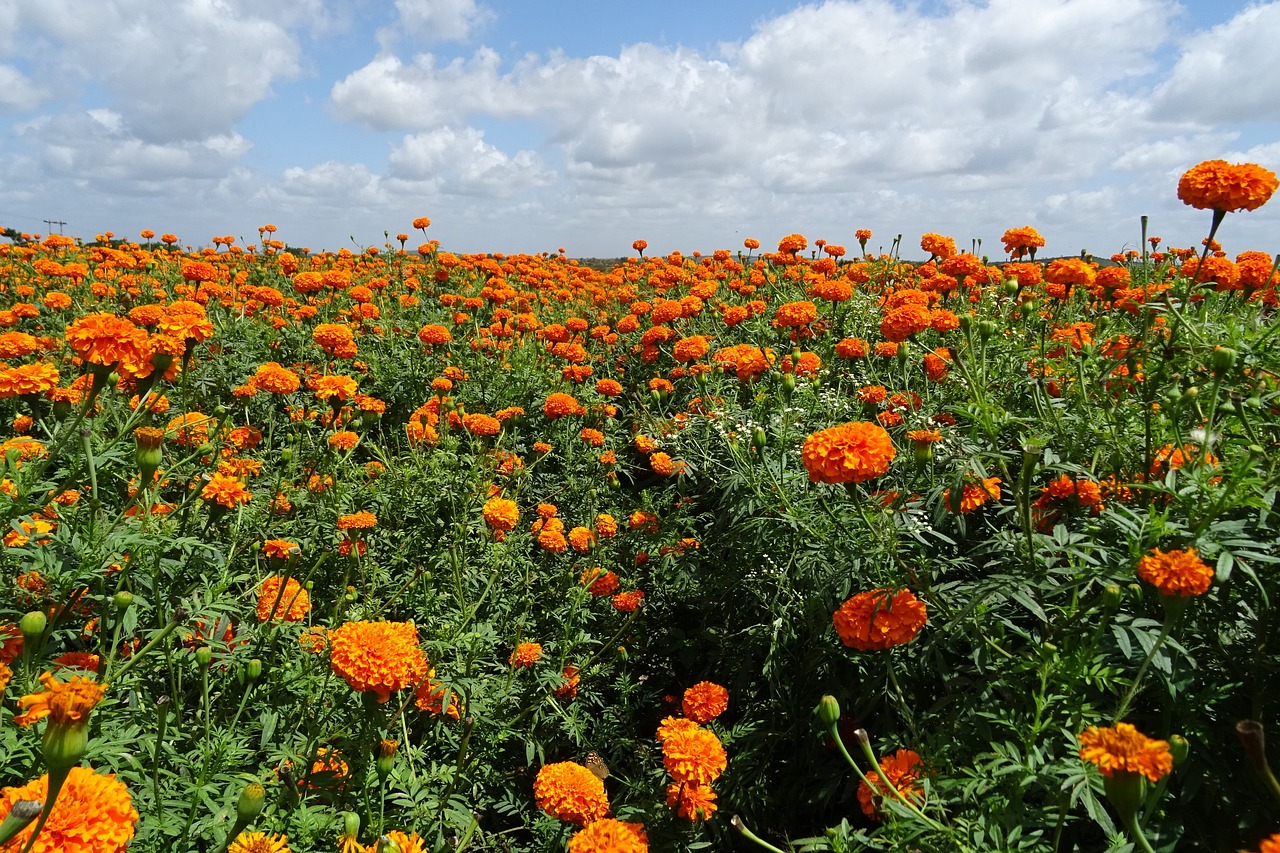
point(527, 125)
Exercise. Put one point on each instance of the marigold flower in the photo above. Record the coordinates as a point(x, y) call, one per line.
point(795, 315)
point(974, 494)
point(848, 453)
point(900, 771)
point(105, 340)
point(1180, 573)
point(291, 605)
point(344, 440)
point(880, 619)
point(1219, 185)
point(628, 602)
point(1123, 749)
point(525, 655)
point(608, 835)
point(569, 688)
point(501, 514)
point(335, 387)
point(434, 335)
point(570, 792)
point(259, 842)
point(693, 756)
point(362, 520)
point(276, 379)
point(559, 404)
point(5, 675)
point(480, 424)
point(377, 657)
point(92, 814)
point(64, 703)
point(225, 491)
point(704, 701)
point(692, 802)
point(606, 526)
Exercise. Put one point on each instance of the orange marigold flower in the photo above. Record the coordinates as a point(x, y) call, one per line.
point(276, 379)
point(378, 657)
point(692, 802)
point(938, 246)
point(1124, 749)
point(362, 520)
point(5, 675)
point(663, 465)
point(501, 514)
point(344, 440)
point(628, 602)
point(704, 701)
point(880, 619)
point(794, 315)
point(1180, 573)
point(434, 335)
point(904, 321)
point(292, 604)
point(525, 654)
point(570, 792)
point(973, 495)
point(225, 491)
point(609, 387)
point(481, 424)
point(900, 771)
point(65, 703)
point(608, 835)
point(691, 348)
point(93, 814)
point(581, 539)
point(1219, 185)
point(559, 404)
point(848, 453)
point(106, 340)
point(606, 526)
point(852, 348)
point(693, 756)
point(601, 582)
point(335, 387)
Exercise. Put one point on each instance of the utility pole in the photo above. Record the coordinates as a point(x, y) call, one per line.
point(53, 222)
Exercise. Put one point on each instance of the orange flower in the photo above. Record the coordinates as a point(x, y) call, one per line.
point(704, 701)
point(93, 814)
point(693, 756)
point(344, 440)
point(292, 605)
point(225, 491)
point(1221, 186)
point(434, 335)
point(362, 520)
point(848, 453)
point(65, 703)
point(691, 802)
point(5, 675)
point(795, 315)
point(1270, 845)
point(335, 387)
point(973, 495)
point(570, 792)
point(628, 602)
point(259, 842)
point(1180, 573)
point(900, 771)
point(106, 340)
point(501, 514)
point(880, 619)
point(479, 424)
point(526, 654)
point(1124, 749)
point(377, 657)
point(608, 835)
point(559, 404)
point(276, 379)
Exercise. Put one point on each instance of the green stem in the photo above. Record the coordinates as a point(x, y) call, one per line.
point(736, 823)
point(1142, 670)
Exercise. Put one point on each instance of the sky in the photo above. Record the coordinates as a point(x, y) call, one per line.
point(530, 125)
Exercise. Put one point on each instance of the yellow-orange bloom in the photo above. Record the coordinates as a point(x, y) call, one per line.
point(526, 654)
point(608, 835)
point(1180, 573)
point(292, 605)
point(900, 770)
point(501, 514)
point(1124, 749)
point(570, 792)
point(848, 453)
point(693, 756)
point(880, 619)
point(1219, 185)
point(704, 701)
point(259, 842)
point(105, 339)
point(225, 491)
point(93, 814)
point(377, 657)
point(65, 703)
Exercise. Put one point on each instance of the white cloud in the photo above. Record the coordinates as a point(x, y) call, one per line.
point(461, 162)
point(1228, 74)
point(18, 92)
point(441, 20)
point(173, 71)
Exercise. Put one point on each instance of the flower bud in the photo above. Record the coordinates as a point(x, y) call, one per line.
point(286, 454)
point(1111, 597)
point(386, 844)
point(253, 670)
point(32, 626)
point(386, 758)
point(250, 803)
point(350, 824)
point(1178, 748)
point(1222, 359)
point(759, 437)
point(204, 656)
point(122, 600)
point(18, 819)
point(828, 711)
point(986, 328)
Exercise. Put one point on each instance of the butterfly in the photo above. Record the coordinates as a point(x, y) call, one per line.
point(597, 766)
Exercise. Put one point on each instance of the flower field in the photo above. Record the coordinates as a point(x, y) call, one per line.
point(805, 549)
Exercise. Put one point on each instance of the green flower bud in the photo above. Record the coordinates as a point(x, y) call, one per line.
point(350, 824)
point(1222, 359)
point(388, 845)
point(286, 454)
point(250, 804)
point(1178, 748)
point(1111, 597)
point(204, 656)
point(18, 819)
point(122, 600)
point(253, 670)
point(32, 626)
point(828, 711)
point(759, 438)
point(986, 328)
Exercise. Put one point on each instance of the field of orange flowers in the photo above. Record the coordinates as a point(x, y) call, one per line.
point(806, 549)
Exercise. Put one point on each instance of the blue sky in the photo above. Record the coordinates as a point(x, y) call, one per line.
point(526, 125)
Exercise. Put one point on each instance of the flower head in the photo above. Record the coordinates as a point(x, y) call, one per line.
point(880, 619)
point(693, 756)
point(292, 604)
point(65, 703)
point(900, 771)
point(525, 654)
point(378, 657)
point(570, 792)
point(847, 453)
point(1124, 749)
point(704, 701)
point(259, 842)
point(92, 814)
point(608, 835)
point(1219, 185)
point(1180, 573)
